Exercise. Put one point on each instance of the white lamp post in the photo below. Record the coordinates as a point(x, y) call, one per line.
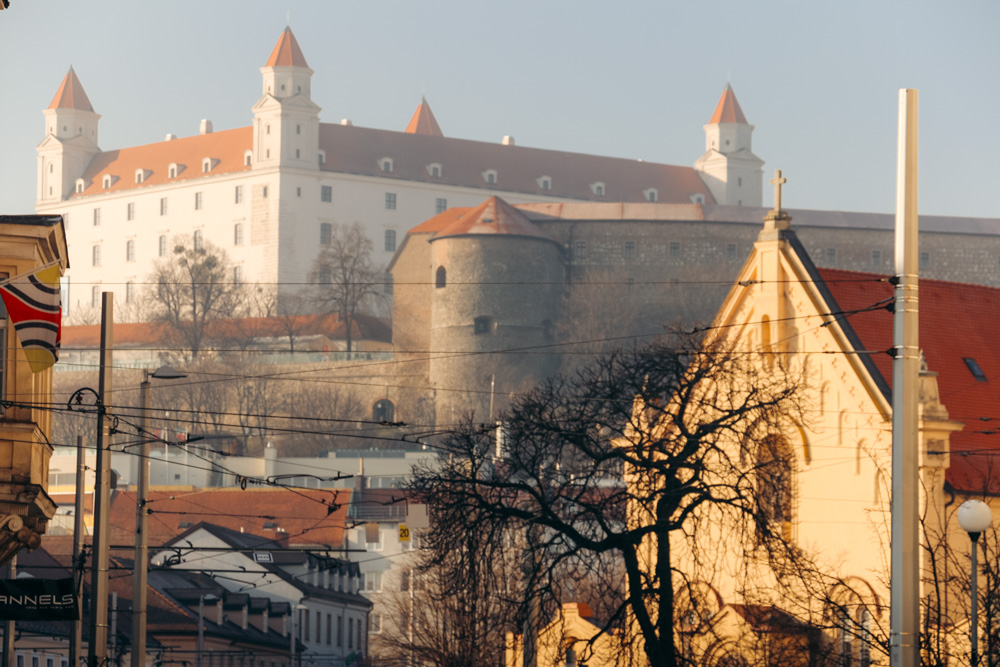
point(974, 516)
point(141, 565)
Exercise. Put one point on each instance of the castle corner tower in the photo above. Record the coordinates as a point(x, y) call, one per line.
point(70, 141)
point(729, 168)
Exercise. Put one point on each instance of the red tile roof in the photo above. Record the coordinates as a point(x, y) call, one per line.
point(226, 149)
point(957, 322)
point(728, 109)
point(286, 52)
point(302, 514)
point(441, 220)
point(424, 122)
point(71, 94)
point(493, 217)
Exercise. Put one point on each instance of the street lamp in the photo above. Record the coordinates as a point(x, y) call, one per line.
point(141, 565)
point(295, 610)
point(974, 516)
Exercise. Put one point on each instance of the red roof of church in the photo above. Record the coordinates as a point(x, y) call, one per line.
point(958, 321)
point(423, 121)
point(493, 217)
point(728, 109)
point(286, 52)
point(70, 94)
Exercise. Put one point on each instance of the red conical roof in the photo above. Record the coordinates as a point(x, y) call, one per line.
point(286, 52)
point(494, 216)
point(728, 110)
point(423, 121)
point(70, 94)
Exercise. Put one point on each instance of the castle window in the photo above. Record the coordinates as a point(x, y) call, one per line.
point(325, 233)
point(198, 240)
point(267, 128)
point(383, 411)
point(97, 217)
point(385, 164)
point(238, 194)
point(441, 278)
point(162, 249)
point(322, 158)
point(326, 193)
point(298, 192)
point(484, 324)
point(831, 255)
point(263, 192)
point(247, 158)
point(298, 153)
point(387, 283)
point(390, 240)
point(675, 249)
point(739, 182)
point(238, 274)
point(490, 176)
point(130, 251)
point(51, 168)
point(106, 181)
point(440, 205)
point(925, 260)
point(651, 194)
point(95, 296)
point(629, 284)
point(876, 259)
point(130, 211)
point(629, 250)
point(197, 201)
point(324, 276)
point(163, 205)
point(580, 250)
point(95, 256)
point(730, 251)
point(79, 186)
point(597, 188)
point(129, 292)
point(390, 201)
point(545, 183)
point(434, 169)
point(298, 129)
point(238, 233)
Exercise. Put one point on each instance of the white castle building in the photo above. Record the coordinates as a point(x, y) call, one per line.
point(269, 193)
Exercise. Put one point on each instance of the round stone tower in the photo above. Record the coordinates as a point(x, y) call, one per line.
point(497, 281)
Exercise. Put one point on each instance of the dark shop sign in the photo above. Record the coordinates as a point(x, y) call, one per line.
point(38, 600)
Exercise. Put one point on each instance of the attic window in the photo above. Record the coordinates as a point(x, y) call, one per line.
point(206, 165)
point(597, 188)
point(974, 368)
point(172, 171)
point(434, 169)
point(105, 182)
point(322, 157)
point(490, 176)
point(79, 185)
point(184, 524)
point(545, 183)
point(385, 164)
point(651, 194)
point(140, 176)
point(247, 157)
point(698, 199)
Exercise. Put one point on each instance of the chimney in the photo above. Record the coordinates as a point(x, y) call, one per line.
point(508, 140)
point(346, 122)
point(171, 137)
point(206, 126)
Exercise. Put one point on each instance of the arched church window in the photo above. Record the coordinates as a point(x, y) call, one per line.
point(441, 279)
point(774, 483)
point(383, 411)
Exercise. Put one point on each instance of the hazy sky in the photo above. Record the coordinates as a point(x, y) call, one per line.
point(628, 79)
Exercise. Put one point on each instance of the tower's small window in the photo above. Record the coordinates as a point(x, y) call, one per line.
point(387, 283)
point(441, 278)
point(739, 182)
point(629, 284)
point(129, 292)
point(484, 324)
point(298, 129)
point(975, 369)
point(876, 259)
point(298, 153)
point(383, 411)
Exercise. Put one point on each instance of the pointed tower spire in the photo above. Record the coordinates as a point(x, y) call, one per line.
point(728, 109)
point(423, 121)
point(71, 94)
point(286, 52)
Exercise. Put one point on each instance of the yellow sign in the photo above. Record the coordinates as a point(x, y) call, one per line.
point(404, 533)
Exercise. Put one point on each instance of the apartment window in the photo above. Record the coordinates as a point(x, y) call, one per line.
point(238, 274)
point(629, 250)
point(130, 250)
point(198, 240)
point(305, 624)
point(95, 296)
point(580, 250)
point(238, 233)
point(730, 251)
point(247, 157)
point(197, 201)
point(130, 211)
point(340, 631)
point(390, 240)
point(375, 623)
point(97, 217)
point(675, 249)
point(350, 633)
point(739, 182)
point(373, 580)
point(162, 252)
point(441, 205)
point(140, 175)
point(876, 259)
point(319, 628)
point(206, 165)
point(329, 629)
point(924, 261)
point(239, 194)
point(325, 233)
point(95, 256)
point(390, 201)
point(163, 205)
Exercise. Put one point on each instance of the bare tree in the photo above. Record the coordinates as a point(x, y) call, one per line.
point(346, 281)
point(192, 289)
point(582, 473)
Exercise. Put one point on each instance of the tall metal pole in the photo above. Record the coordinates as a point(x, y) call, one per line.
point(97, 642)
point(974, 629)
point(201, 630)
point(8, 626)
point(904, 618)
point(76, 638)
point(141, 565)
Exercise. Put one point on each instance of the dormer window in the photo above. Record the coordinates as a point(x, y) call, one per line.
point(322, 157)
point(597, 188)
point(651, 194)
point(385, 164)
point(698, 199)
point(173, 169)
point(140, 176)
point(434, 169)
point(106, 181)
point(206, 165)
point(545, 183)
point(247, 158)
point(80, 185)
point(490, 176)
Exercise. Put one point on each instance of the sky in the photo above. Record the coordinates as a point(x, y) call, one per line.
point(630, 79)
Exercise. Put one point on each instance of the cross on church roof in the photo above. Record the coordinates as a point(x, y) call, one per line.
point(777, 182)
